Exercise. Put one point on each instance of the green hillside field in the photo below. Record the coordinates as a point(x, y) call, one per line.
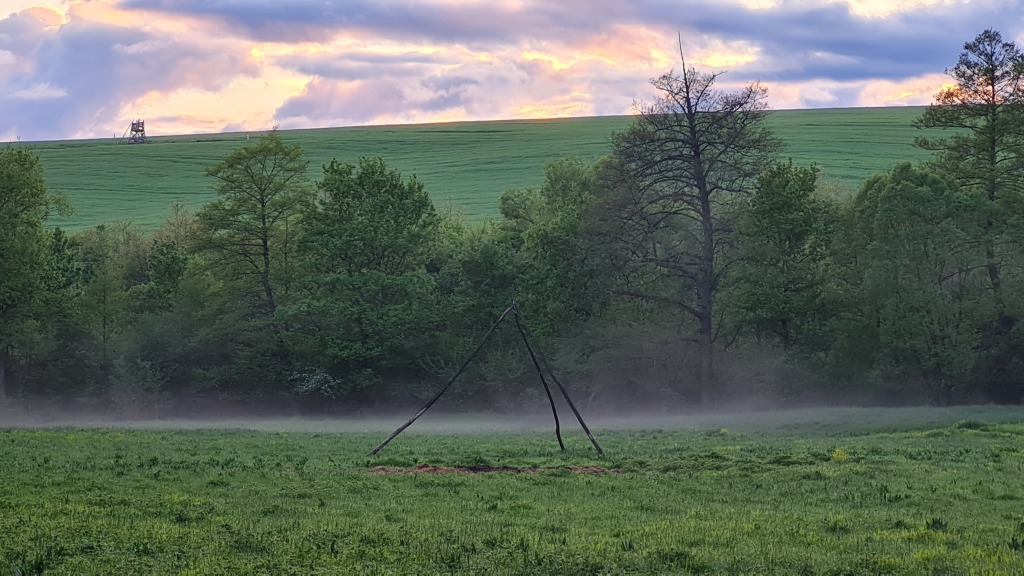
point(467, 164)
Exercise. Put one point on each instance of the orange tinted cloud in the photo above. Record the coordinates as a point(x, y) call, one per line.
point(909, 92)
point(83, 67)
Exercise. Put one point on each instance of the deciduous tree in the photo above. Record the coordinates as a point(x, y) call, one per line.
point(367, 300)
point(26, 269)
point(918, 304)
point(250, 228)
point(781, 282)
point(984, 153)
point(557, 277)
point(677, 174)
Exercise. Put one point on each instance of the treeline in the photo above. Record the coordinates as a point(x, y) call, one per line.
point(689, 266)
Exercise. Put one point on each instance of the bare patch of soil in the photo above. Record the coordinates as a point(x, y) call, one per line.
point(429, 469)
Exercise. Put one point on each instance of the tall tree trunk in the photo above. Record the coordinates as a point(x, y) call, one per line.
point(706, 266)
point(706, 294)
point(993, 269)
point(992, 191)
point(707, 353)
point(268, 290)
point(4, 360)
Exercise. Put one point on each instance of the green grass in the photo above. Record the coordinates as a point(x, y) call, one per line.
point(845, 491)
point(467, 164)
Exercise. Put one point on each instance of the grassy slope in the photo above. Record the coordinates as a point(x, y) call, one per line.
point(848, 491)
point(468, 164)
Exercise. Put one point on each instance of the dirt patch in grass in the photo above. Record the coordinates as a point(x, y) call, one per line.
point(430, 469)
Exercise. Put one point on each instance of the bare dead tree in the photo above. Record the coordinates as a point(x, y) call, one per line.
point(672, 189)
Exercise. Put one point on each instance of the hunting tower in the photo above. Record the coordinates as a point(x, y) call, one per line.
point(138, 132)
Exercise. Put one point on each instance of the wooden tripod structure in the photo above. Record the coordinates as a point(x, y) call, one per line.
point(539, 362)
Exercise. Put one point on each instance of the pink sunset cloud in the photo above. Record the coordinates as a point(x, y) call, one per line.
point(82, 68)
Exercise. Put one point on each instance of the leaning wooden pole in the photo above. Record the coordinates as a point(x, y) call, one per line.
point(446, 386)
point(565, 394)
point(540, 372)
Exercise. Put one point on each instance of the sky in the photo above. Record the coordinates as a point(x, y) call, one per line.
point(86, 68)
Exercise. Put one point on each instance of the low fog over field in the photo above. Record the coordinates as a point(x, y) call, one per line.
point(845, 419)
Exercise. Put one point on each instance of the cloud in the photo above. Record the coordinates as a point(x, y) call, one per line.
point(39, 92)
point(468, 21)
point(341, 102)
point(247, 64)
point(347, 65)
point(448, 92)
point(908, 91)
point(793, 39)
point(500, 85)
point(23, 32)
point(783, 27)
point(84, 73)
point(149, 46)
point(800, 41)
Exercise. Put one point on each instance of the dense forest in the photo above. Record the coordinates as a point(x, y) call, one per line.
point(692, 266)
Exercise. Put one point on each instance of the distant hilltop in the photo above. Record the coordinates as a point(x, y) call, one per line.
point(467, 164)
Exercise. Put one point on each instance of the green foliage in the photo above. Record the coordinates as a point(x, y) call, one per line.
point(368, 218)
point(538, 255)
point(27, 268)
point(555, 273)
point(985, 107)
point(250, 229)
point(245, 267)
point(104, 304)
point(475, 282)
point(367, 304)
point(985, 156)
point(869, 491)
point(24, 207)
point(917, 296)
point(167, 264)
point(781, 285)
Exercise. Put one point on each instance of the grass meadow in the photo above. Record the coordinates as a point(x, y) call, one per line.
point(829, 491)
point(467, 165)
